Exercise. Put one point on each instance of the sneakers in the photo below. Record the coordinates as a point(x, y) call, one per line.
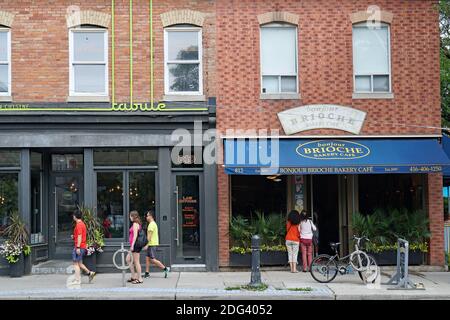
point(91, 276)
point(146, 275)
point(166, 271)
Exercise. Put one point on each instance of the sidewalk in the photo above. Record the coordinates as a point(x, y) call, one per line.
point(212, 285)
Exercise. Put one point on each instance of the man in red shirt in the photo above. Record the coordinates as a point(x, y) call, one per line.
point(79, 238)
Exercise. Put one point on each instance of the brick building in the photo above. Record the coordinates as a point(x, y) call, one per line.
point(382, 60)
point(92, 91)
point(87, 118)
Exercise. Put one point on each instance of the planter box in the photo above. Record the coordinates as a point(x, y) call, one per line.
point(17, 269)
point(272, 258)
point(389, 258)
point(91, 262)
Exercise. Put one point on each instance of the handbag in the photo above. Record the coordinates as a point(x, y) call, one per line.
point(315, 238)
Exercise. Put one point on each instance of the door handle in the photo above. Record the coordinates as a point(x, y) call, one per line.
point(176, 220)
point(56, 215)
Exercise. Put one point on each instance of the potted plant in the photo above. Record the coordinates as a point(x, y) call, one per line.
point(16, 248)
point(271, 229)
point(384, 227)
point(94, 237)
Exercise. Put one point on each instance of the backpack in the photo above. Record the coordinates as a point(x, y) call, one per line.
point(141, 240)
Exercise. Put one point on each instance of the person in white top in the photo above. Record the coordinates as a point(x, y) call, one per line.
point(306, 228)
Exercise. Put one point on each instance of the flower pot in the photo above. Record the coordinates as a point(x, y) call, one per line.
point(91, 262)
point(27, 264)
point(17, 269)
point(389, 257)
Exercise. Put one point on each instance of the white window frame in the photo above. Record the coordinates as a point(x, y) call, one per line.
point(364, 25)
point(297, 85)
point(167, 61)
point(8, 61)
point(72, 62)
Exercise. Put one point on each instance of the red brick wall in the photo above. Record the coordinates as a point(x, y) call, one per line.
point(326, 74)
point(40, 47)
point(435, 213)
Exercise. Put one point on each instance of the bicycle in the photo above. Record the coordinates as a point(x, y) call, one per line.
point(324, 268)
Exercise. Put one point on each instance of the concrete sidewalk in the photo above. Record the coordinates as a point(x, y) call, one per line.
point(213, 285)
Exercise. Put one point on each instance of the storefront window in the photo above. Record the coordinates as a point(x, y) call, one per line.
point(110, 203)
point(9, 158)
point(67, 162)
point(189, 157)
point(9, 198)
point(252, 194)
point(391, 191)
point(125, 157)
point(142, 192)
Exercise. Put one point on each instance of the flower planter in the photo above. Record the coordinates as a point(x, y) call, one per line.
point(17, 269)
point(268, 258)
point(91, 262)
point(389, 257)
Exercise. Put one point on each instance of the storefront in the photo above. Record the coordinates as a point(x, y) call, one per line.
point(333, 178)
point(113, 165)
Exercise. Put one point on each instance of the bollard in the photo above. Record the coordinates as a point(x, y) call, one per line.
point(256, 260)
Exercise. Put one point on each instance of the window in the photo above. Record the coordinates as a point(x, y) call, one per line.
point(9, 197)
point(88, 62)
point(279, 58)
point(5, 62)
point(183, 60)
point(36, 198)
point(125, 157)
point(371, 58)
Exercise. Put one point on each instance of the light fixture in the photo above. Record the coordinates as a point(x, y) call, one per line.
point(277, 180)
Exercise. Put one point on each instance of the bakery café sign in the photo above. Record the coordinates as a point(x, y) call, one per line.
point(322, 116)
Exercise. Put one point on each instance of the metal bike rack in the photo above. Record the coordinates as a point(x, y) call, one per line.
point(124, 265)
point(401, 276)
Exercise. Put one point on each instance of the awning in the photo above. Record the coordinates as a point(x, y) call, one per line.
point(446, 146)
point(332, 156)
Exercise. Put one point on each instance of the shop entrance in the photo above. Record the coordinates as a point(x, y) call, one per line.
point(325, 194)
point(187, 219)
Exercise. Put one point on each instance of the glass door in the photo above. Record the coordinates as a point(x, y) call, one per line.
point(118, 193)
point(65, 198)
point(187, 219)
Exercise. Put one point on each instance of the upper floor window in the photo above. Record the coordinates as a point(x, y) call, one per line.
point(279, 58)
point(88, 62)
point(371, 58)
point(183, 60)
point(5, 61)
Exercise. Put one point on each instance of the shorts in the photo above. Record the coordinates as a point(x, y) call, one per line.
point(136, 250)
point(78, 257)
point(292, 249)
point(151, 252)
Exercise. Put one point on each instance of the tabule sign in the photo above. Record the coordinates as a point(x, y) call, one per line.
point(332, 150)
point(321, 116)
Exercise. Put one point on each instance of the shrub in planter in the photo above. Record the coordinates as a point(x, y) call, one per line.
point(16, 247)
point(94, 237)
point(384, 227)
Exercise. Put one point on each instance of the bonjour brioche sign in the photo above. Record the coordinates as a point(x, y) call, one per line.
point(322, 116)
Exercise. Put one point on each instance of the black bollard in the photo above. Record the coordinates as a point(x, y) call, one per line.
point(256, 260)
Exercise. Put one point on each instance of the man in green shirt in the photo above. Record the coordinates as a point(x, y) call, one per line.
point(153, 242)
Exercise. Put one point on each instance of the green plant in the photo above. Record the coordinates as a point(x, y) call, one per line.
point(384, 227)
point(94, 230)
point(17, 237)
point(260, 287)
point(240, 231)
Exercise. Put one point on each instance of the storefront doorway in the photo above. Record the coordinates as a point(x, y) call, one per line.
point(65, 195)
point(187, 219)
point(325, 209)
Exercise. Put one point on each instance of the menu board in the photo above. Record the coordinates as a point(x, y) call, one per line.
point(299, 193)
